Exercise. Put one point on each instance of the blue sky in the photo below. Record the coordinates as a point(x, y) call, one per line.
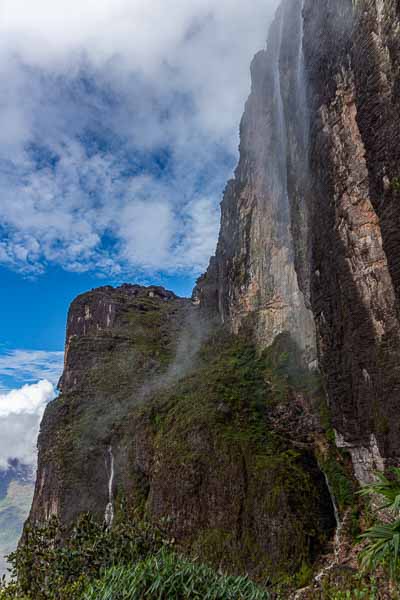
point(118, 131)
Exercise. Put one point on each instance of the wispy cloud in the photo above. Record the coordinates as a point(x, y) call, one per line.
point(118, 128)
point(85, 212)
point(21, 411)
point(30, 366)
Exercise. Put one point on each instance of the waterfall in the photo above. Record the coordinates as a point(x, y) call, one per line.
point(336, 543)
point(299, 90)
point(109, 512)
point(337, 517)
point(301, 86)
point(280, 120)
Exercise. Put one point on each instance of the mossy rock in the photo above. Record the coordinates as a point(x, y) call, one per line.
point(188, 411)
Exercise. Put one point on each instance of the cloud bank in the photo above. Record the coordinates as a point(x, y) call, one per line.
point(118, 129)
point(21, 411)
point(22, 408)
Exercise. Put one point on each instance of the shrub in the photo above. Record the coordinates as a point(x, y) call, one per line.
point(53, 564)
point(396, 184)
point(169, 576)
point(132, 561)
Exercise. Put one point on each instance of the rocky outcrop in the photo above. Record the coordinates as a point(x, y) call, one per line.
point(184, 424)
point(118, 341)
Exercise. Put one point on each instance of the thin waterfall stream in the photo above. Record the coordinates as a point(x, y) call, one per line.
point(109, 512)
point(336, 544)
point(339, 523)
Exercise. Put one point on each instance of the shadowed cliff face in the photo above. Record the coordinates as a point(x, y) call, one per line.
point(311, 220)
point(353, 65)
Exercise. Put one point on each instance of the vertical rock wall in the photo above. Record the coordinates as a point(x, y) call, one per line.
point(254, 271)
point(311, 220)
point(352, 56)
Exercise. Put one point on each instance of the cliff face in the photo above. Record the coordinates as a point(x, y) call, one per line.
point(254, 271)
point(310, 225)
point(355, 223)
point(211, 412)
point(117, 341)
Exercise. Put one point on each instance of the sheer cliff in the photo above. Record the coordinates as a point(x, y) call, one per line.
point(355, 224)
point(223, 414)
point(309, 240)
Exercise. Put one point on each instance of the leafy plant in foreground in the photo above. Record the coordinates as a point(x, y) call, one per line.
point(53, 564)
point(168, 576)
point(132, 561)
point(384, 538)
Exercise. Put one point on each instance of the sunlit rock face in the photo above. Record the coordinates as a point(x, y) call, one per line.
point(310, 236)
point(264, 227)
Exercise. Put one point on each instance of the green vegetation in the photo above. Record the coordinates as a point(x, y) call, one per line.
point(383, 538)
point(169, 576)
point(131, 562)
point(55, 564)
point(396, 184)
point(217, 425)
point(347, 584)
point(233, 389)
point(358, 589)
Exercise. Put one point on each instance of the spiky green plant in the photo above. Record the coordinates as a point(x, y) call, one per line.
point(388, 489)
point(170, 576)
point(383, 539)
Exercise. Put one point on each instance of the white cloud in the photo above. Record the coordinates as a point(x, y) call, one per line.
point(31, 365)
point(145, 79)
point(21, 411)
